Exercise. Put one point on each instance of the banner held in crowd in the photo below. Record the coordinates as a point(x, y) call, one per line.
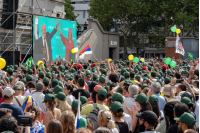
point(29, 62)
point(179, 46)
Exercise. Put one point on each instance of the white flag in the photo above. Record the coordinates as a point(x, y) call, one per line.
point(179, 46)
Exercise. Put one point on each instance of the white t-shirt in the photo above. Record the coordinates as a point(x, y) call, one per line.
point(20, 99)
point(130, 102)
point(70, 99)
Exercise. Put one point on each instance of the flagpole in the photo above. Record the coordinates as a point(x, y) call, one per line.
point(27, 54)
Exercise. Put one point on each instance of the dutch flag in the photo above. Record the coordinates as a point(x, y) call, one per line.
point(77, 121)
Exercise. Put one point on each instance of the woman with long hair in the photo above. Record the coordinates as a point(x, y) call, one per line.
point(118, 114)
point(68, 89)
point(54, 126)
point(53, 112)
point(168, 116)
point(154, 104)
point(61, 102)
point(34, 111)
point(67, 120)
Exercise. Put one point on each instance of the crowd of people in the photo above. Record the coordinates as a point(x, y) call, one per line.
point(115, 97)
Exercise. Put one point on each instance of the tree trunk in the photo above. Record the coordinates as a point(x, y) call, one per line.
point(125, 42)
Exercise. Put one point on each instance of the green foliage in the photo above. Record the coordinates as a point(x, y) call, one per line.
point(69, 10)
point(148, 18)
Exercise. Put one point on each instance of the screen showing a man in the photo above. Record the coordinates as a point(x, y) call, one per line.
point(42, 46)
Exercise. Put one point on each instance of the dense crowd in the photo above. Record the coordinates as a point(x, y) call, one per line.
point(115, 97)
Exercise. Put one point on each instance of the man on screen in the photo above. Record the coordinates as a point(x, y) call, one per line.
point(68, 42)
point(42, 46)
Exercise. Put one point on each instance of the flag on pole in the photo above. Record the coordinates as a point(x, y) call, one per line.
point(29, 62)
point(190, 55)
point(86, 50)
point(179, 46)
point(77, 121)
point(28, 101)
point(76, 58)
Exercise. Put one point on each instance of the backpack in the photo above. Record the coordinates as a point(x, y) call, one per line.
point(93, 116)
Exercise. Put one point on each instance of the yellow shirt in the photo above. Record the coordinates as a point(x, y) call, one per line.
point(134, 81)
point(89, 107)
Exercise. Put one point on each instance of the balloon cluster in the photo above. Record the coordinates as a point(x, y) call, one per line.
point(169, 62)
point(174, 29)
point(74, 50)
point(135, 59)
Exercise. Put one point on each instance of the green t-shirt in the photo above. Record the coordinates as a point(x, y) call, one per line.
point(83, 122)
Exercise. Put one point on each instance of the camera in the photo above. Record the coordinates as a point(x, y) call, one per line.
point(179, 81)
point(24, 120)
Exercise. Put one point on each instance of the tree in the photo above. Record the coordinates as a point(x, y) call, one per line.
point(151, 18)
point(69, 10)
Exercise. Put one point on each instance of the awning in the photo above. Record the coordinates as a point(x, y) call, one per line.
point(154, 51)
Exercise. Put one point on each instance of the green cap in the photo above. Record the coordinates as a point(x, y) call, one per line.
point(143, 71)
point(60, 96)
point(41, 73)
point(17, 87)
point(60, 83)
point(48, 74)
point(95, 76)
point(169, 72)
point(117, 97)
point(144, 85)
point(102, 93)
point(123, 71)
point(106, 87)
point(186, 118)
point(23, 80)
point(104, 71)
point(29, 78)
point(102, 79)
point(9, 70)
point(49, 97)
point(196, 72)
point(93, 69)
point(141, 98)
point(47, 70)
point(109, 82)
point(116, 107)
point(88, 72)
point(10, 79)
point(126, 74)
point(185, 100)
point(159, 76)
point(153, 98)
point(54, 68)
point(120, 90)
point(46, 80)
point(57, 89)
point(72, 70)
point(75, 105)
point(7, 79)
point(15, 67)
point(30, 71)
point(167, 80)
point(83, 99)
point(137, 77)
point(55, 81)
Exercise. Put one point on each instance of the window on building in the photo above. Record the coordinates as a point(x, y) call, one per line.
point(58, 15)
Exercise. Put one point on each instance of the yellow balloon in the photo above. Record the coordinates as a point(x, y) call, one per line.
point(2, 63)
point(72, 51)
point(178, 31)
point(75, 50)
point(130, 57)
point(109, 60)
point(38, 63)
point(142, 59)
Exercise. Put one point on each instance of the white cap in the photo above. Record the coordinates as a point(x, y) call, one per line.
point(8, 92)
